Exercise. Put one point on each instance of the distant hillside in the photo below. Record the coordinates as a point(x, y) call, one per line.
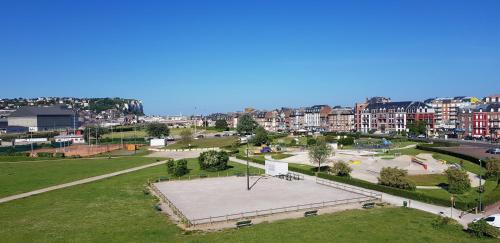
point(97, 105)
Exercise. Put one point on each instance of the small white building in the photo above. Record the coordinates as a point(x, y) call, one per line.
point(157, 142)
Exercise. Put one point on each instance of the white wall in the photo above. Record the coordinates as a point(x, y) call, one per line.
point(275, 168)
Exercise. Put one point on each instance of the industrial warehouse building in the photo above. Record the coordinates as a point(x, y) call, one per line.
point(37, 118)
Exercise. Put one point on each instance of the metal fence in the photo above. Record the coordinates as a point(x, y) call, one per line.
point(349, 188)
point(271, 211)
point(175, 210)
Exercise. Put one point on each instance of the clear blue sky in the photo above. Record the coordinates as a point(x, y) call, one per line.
point(227, 55)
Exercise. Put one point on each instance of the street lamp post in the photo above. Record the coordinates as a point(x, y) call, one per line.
point(248, 170)
point(480, 188)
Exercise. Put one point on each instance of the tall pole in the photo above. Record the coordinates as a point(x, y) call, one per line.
point(31, 142)
point(248, 170)
point(480, 188)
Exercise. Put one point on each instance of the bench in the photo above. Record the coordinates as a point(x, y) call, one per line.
point(158, 207)
point(369, 205)
point(203, 176)
point(311, 213)
point(239, 174)
point(243, 223)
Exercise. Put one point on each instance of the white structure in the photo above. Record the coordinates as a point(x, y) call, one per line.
point(158, 142)
point(275, 168)
point(76, 139)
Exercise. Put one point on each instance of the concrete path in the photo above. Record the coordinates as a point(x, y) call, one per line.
point(78, 182)
point(398, 201)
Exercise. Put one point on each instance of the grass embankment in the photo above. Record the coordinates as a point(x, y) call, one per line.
point(27, 176)
point(205, 143)
point(116, 210)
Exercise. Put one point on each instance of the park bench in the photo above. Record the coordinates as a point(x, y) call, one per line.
point(243, 223)
point(311, 213)
point(203, 176)
point(369, 205)
point(239, 174)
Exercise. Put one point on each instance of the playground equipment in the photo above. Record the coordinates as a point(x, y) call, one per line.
point(420, 162)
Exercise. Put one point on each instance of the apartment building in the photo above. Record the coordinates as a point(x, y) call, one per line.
point(446, 111)
point(395, 116)
point(341, 119)
point(315, 117)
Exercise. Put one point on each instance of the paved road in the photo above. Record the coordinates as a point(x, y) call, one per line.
point(398, 201)
point(78, 182)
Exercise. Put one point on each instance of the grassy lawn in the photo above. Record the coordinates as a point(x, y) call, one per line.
point(27, 176)
point(116, 210)
point(205, 143)
point(281, 156)
point(126, 134)
point(428, 180)
point(471, 195)
point(467, 165)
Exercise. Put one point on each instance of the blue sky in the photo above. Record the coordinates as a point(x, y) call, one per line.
point(227, 55)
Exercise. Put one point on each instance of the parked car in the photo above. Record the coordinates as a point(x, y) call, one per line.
point(217, 135)
point(170, 138)
point(421, 136)
point(200, 136)
point(493, 151)
point(493, 220)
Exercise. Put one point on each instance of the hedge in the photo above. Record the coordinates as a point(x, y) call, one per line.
point(399, 192)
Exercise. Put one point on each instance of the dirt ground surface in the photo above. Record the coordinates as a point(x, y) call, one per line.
point(82, 150)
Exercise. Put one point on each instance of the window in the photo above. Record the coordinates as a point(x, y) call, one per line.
point(489, 219)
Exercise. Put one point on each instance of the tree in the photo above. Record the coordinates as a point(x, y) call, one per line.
point(157, 129)
point(395, 177)
point(261, 136)
point(221, 125)
point(213, 160)
point(341, 168)
point(177, 168)
point(186, 136)
point(246, 124)
point(319, 152)
point(418, 127)
point(458, 181)
point(95, 132)
point(493, 168)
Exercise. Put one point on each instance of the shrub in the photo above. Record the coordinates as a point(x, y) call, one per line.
point(458, 181)
point(341, 168)
point(44, 154)
point(441, 221)
point(311, 141)
point(482, 229)
point(493, 168)
point(213, 160)
point(394, 177)
point(170, 166)
point(59, 155)
point(181, 168)
point(346, 141)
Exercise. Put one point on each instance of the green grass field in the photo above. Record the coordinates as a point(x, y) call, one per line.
point(428, 180)
point(27, 176)
point(127, 134)
point(116, 210)
point(205, 143)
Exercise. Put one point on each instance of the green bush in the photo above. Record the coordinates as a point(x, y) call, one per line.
point(181, 168)
point(458, 181)
point(441, 221)
point(59, 155)
point(346, 141)
point(213, 160)
point(177, 168)
point(482, 229)
point(395, 177)
point(44, 154)
point(311, 141)
point(341, 168)
point(170, 166)
point(493, 168)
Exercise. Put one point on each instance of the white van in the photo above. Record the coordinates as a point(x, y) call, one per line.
point(493, 220)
